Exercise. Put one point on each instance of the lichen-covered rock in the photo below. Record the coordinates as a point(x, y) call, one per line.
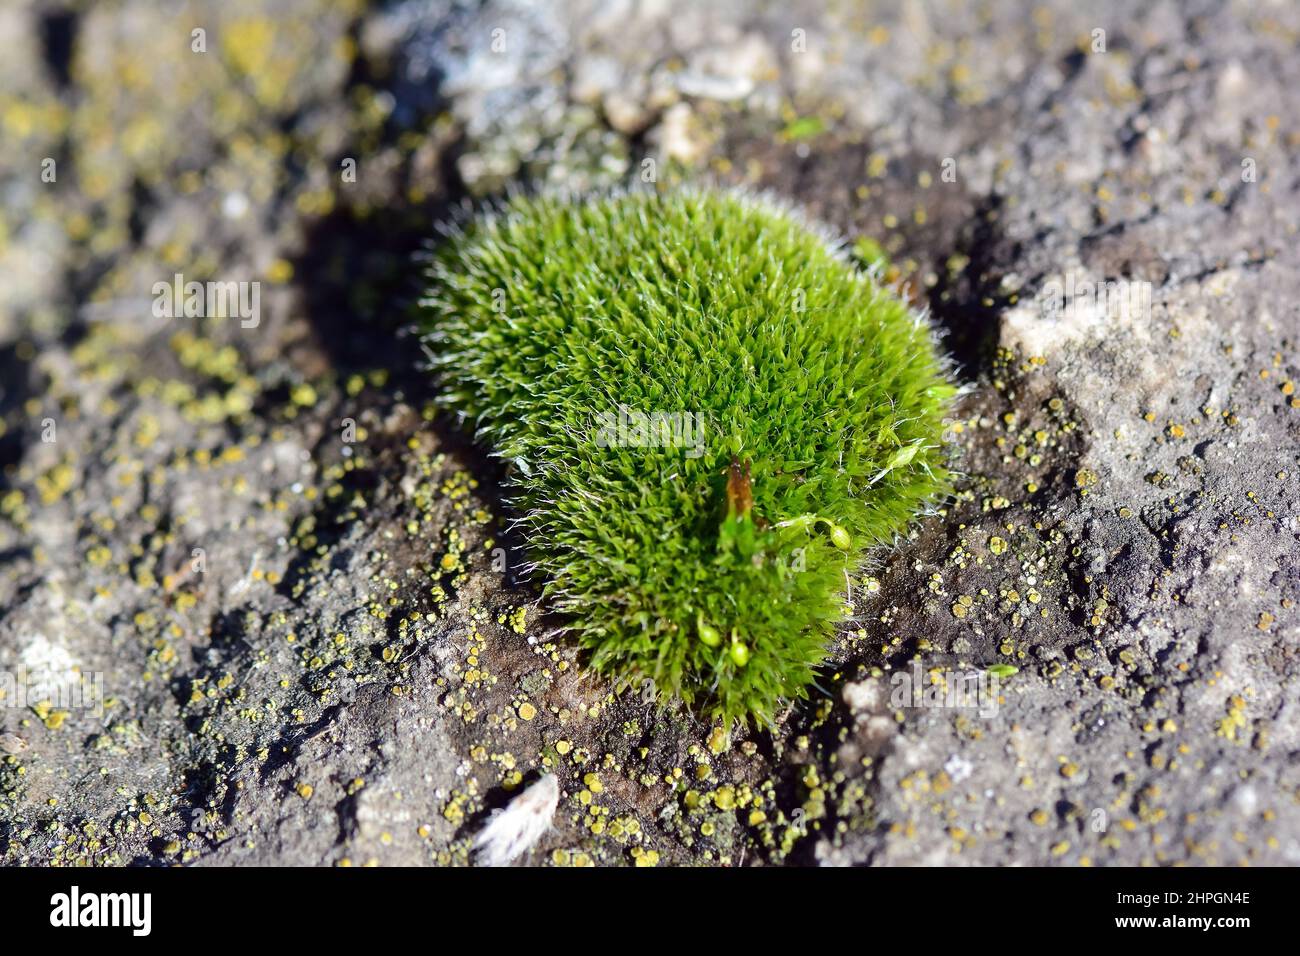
point(273, 603)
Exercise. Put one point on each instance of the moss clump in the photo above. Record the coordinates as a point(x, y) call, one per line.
point(710, 415)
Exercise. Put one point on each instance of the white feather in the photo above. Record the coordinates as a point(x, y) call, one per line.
point(513, 831)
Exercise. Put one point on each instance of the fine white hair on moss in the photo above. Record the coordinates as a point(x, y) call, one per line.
point(514, 830)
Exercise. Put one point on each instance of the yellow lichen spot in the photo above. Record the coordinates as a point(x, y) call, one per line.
point(1235, 719)
point(279, 271)
point(303, 395)
point(718, 740)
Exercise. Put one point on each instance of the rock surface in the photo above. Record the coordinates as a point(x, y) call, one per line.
point(273, 595)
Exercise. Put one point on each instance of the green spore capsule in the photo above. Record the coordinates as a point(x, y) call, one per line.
point(708, 634)
point(711, 414)
point(739, 652)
